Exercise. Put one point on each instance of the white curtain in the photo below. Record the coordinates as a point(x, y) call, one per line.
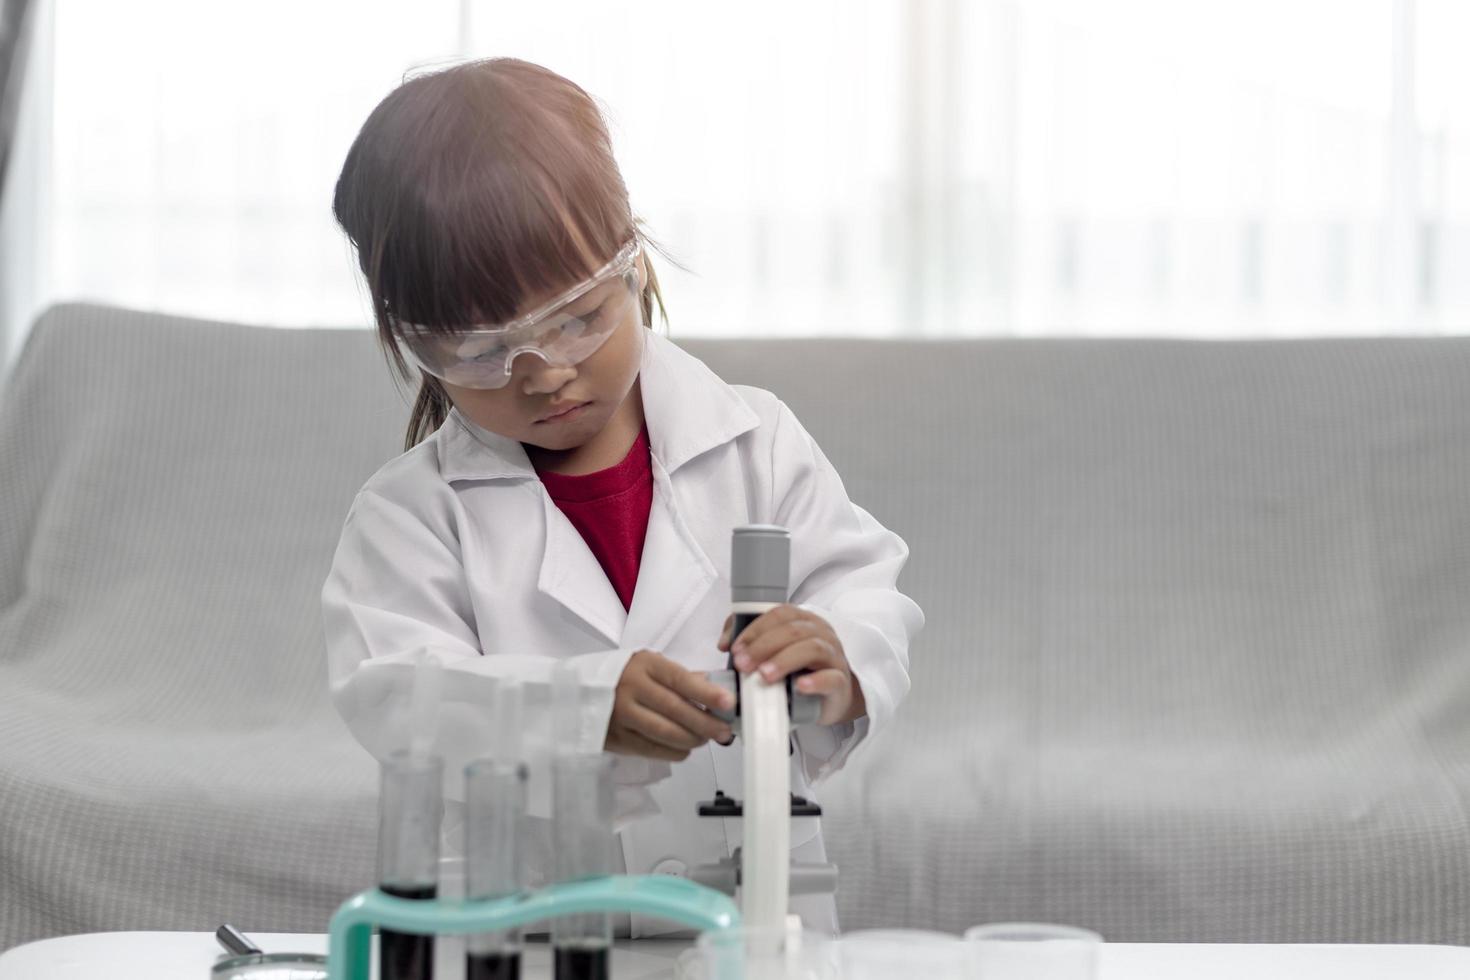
point(870, 167)
point(23, 218)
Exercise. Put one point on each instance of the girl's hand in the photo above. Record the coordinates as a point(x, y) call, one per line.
point(787, 639)
point(658, 710)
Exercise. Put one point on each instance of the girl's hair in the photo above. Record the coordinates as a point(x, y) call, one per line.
point(473, 189)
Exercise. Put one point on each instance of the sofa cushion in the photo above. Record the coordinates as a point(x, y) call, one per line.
point(1196, 665)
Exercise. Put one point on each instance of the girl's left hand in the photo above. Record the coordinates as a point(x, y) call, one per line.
point(788, 638)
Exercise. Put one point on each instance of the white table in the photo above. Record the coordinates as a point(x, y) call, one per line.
point(188, 956)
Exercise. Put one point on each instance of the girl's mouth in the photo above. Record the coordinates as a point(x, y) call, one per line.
point(566, 415)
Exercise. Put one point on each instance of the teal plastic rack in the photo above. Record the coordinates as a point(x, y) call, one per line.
point(662, 896)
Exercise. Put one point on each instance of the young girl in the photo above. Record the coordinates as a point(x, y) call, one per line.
point(570, 483)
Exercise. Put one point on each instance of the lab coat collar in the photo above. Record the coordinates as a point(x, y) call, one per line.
point(688, 409)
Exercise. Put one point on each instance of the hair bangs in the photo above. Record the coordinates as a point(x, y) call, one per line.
point(508, 210)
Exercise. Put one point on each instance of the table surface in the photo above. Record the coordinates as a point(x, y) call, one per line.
point(188, 956)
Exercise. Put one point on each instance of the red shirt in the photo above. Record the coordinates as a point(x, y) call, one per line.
point(609, 509)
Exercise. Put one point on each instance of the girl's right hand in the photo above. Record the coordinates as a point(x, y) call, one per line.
point(657, 710)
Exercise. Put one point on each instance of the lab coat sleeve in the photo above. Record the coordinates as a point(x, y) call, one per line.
point(397, 592)
point(844, 568)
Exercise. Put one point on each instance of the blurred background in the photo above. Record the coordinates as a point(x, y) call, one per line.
point(864, 167)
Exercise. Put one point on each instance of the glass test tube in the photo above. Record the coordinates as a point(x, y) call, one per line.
point(411, 808)
point(581, 829)
point(582, 832)
point(495, 809)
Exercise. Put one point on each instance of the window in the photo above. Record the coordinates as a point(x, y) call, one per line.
point(878, 167)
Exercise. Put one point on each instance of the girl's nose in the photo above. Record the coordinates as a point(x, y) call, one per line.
point(542, 378)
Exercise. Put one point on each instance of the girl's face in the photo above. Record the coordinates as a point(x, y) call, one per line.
point(560, 408)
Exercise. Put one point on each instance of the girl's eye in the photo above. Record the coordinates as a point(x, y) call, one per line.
point(486, 356)
point(595, 315)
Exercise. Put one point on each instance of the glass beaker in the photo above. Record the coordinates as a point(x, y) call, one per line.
point(1032, 951)
point(871, 954)
point(747, 953)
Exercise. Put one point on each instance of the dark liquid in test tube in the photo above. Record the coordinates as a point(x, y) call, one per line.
point(406, 955)
point(582, 963)
point(493, 966)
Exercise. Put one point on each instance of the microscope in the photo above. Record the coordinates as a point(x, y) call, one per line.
point(763, 716)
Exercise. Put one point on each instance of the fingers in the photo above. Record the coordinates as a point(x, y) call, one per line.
point(693, 685)
point(657, 728)
point(823, 682)
point(647, 669)
point(647, 661)
point(640, 686)
point(765, 622)
point(658, 703)
point(772, 642)
point(835, 687)
point(680, 711)
point(776, 630)
point(724, 644)
point(628, 742)
point(814, 652)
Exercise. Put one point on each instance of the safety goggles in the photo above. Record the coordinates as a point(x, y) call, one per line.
point(563, 332)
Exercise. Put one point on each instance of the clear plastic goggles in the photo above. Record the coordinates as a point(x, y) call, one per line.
point(563, 332)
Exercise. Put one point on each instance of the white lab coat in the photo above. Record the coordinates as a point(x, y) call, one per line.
point(456, 549)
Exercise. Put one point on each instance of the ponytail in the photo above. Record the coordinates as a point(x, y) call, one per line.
point(430, 409)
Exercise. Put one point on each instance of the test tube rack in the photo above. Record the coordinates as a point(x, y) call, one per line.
point(662, 896)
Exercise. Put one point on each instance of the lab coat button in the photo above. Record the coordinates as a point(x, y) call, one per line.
point(671, 866)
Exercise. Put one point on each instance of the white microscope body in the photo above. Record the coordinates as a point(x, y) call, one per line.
point(764, 714)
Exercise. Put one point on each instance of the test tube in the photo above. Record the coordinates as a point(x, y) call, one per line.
point(495, 807)
point(582, 832)
point(411, 808)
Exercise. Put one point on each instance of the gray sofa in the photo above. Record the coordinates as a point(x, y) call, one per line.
point(1197, 662)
